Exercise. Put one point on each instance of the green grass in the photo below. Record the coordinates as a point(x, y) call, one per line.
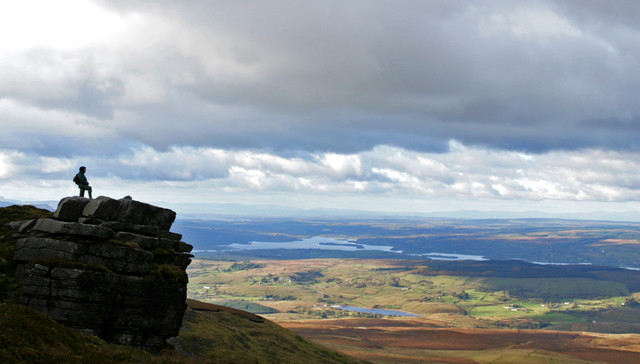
point(27, 336)
point(412, 288)
point(218, 334)
point(248, 306)
point(558, 288)
point(169, 273)
point(561, 317)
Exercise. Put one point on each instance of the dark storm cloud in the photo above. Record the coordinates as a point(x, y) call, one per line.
point(346, 76)
point(349, 76)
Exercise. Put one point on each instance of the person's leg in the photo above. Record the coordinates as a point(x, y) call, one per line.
point(89, 189)
point(81, 191)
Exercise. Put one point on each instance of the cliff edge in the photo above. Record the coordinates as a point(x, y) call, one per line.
point(105, 267)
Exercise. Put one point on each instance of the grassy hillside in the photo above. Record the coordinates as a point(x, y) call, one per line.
point(27, 336)
point(212, 331)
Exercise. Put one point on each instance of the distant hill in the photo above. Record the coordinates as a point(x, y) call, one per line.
point(46, 205)
point(227, 210)
point(230, 210)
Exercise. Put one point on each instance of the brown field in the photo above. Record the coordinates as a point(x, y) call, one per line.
point(420, 341)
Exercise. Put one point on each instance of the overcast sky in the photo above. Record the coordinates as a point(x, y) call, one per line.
point(377, 105)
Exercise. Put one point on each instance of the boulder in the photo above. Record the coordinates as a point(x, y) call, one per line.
point(22, 226)
point(184, 247)
point(140, 213)
point(105, 267)
point(70, 208)
point(169, 235)
point(102, 208)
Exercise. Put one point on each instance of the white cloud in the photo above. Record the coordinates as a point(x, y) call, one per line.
point(63, 24)
point(463, 100)
point(340, 165)
point(463, 172)
point(529, 20)
point(54, 165)
point(8, 166)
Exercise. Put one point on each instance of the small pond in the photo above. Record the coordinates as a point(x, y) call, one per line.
point(377, 310)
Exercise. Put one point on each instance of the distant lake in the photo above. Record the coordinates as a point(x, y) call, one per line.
point(316, 242)
point(329, 243)
point(377, 311)
point(548, 263)
point(447, 256)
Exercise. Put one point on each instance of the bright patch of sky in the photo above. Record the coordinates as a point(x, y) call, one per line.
point(63, 25)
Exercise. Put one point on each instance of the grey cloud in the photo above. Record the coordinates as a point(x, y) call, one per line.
point(59, 80)
point(610, 14)
point(335, 76)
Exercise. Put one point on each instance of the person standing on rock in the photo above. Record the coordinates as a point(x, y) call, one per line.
point(82, 182)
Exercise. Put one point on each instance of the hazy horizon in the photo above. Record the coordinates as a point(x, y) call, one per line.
point(214, 211)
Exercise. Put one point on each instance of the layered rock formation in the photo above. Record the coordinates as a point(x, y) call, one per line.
point(106, 267)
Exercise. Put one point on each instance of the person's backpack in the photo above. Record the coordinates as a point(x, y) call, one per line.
point(76, 179)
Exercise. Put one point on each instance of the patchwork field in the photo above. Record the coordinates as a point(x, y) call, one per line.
point(473, 312)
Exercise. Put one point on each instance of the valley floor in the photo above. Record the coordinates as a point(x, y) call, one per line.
point(418, 341)
point(468, 312)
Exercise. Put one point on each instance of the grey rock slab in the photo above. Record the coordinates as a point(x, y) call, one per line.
point(132, 228)
point(184, 247)
point(22, 226)
point(103, 208)
point(73, 228)
point(70, 208)
point(140, 213)
point(145, 242)
point(30, 249)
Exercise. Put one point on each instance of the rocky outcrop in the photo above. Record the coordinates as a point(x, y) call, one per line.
point(106, 267)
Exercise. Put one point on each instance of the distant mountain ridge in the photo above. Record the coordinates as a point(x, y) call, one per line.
point(188, 210)
point(47, 205)
point(234, 210)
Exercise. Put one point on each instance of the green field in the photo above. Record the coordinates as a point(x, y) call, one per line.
point(468, 296)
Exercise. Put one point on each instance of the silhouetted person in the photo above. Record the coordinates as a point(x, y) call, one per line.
point(82, 182)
